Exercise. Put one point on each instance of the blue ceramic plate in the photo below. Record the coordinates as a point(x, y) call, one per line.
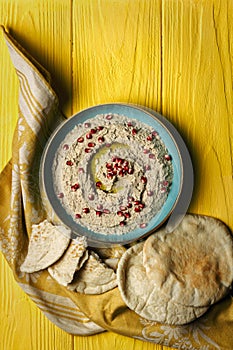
point(130, 111)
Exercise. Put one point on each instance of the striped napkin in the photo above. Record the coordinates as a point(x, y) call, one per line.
point(20, 204)
point(21, 207)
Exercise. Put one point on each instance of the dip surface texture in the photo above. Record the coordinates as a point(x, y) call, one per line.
point(112, 174)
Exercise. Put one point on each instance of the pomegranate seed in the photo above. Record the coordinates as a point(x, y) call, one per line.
point(75, 187)
point(91, 144)
point(123, 208)
point(101, 139)
point(150, 137)
point(134, 131)
point(100, 127)
point(114, 172)
point(137, 209)
point(86, 210)
point(163, 189)
point(106, 211)
point(121, 173)
point(108, 116)
point(151, 156)
point(87, 125)
point(78, 216)
point(143, 225)
point(146, 151)
point(137, 202)
point(99, 206)
point(143, 179)
point(91, 196)
point(98, 184)
point(93, 131)
point(127, 215)
point(154, 133)
point(130, 171)
point(60, 195)
point(81, 170)
point(110, 176)
point(147, 167)
point(130, 199)
point(108, 165)
point(167, 157)
point(69, 162)
point(120, 213)
point(122, 223)
point(80, 139)
point(88, 150)
point(89, 136)
point(126, 169)
point(110, 170)
point(141, 205)
point(130, 124)
point(114, 159)
point(150, 193)
point(165, 183)
point(129, 205)
point(66, 147)
point(98, 213)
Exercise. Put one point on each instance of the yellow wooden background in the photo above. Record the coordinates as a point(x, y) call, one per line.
point(173, 56)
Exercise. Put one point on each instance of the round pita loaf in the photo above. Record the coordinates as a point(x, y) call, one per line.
point(46, 245)
point(71, 261)
point(141, 294)
point(193, 265)
point(94, 277)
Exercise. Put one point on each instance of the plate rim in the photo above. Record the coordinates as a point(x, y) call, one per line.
point(122, 239)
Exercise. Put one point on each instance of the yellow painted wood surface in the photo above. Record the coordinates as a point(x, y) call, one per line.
point(173, 56)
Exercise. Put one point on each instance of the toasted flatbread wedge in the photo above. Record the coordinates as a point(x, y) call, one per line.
point(46, 245)
point(94, 277)
point(72, 260)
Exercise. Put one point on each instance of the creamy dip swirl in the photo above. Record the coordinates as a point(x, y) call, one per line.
point(112, 174)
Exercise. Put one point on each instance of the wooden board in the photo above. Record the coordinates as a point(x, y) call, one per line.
point(172, 56)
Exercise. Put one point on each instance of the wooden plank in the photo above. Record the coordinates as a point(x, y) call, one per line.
point(117, 52)
point(197, 95)
point(43, 29)
point(37, 27)
point(8, 101)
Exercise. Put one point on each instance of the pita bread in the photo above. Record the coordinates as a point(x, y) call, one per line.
point(194, 264)
point(72, 260)
point(114, 252)
point(112, 262)
point(94, 277)
point(111, 255)
point(46, 245)
point(141, 294)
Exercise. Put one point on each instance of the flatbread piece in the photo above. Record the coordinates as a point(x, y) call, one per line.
point(71, 261)
point(46, 245)
point(94, 277)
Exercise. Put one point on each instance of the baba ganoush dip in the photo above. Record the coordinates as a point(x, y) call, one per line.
point(112, 174)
